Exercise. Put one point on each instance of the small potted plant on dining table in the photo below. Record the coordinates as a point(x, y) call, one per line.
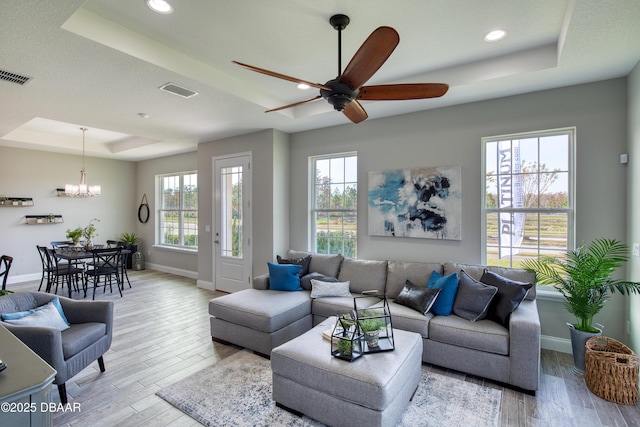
point(74, 234)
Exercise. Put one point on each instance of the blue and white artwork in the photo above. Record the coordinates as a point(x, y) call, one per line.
point(422, 202)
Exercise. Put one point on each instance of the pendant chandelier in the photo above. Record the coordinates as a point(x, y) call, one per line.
point(82, 190)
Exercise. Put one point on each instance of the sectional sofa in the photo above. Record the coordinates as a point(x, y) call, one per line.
point(261, 319)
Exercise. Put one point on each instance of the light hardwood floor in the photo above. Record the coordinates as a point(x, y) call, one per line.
point(161, 334)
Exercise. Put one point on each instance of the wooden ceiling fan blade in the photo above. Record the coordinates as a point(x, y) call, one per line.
point(399, 92)
point(369, 58)
point(295, 104)
point(280, 76)
point(355, 112)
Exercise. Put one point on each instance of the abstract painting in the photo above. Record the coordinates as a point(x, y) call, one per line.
point(421, 202)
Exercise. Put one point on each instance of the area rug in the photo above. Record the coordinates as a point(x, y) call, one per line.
point(237, 392)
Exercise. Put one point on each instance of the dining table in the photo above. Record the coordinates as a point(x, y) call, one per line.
point(74, 254)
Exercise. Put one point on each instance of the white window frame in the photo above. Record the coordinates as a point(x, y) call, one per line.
point(181, 210)
point(314, 210)
point(569, 211)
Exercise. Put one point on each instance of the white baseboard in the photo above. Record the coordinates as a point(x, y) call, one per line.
point(177, 271)
point(563, 345)
point(206, 285)
point(25, 278)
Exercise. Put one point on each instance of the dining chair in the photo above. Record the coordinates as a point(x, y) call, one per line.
point(106, 264)
point(5, 265)
point(62, 244)
point(46, 267)
point(63, 271)
point(124, 245)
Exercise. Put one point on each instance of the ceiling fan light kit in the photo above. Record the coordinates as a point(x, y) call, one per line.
point(344, 91)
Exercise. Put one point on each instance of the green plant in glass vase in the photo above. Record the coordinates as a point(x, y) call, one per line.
point(89, 232)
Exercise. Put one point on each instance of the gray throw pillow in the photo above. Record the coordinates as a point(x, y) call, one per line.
point(305, 281)
point(473, 298)
point(419, 298)
point(303, 262)
point(510, 295)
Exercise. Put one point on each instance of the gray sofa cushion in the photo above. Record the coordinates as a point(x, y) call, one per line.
point(329, 306)
point(265, 311)
point(364, 275)
point(408, 319)
point(399, 272)
point(329, 265)
point(476, 272)
point(483, 335)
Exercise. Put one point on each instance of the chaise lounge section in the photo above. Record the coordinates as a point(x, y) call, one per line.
point(261, 319)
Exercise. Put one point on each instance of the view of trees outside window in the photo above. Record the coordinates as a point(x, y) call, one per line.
point(334, 205)
point(231, 193)
point(178, 214)
point(528, 204)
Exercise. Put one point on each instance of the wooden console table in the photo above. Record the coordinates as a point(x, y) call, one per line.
point(25, 385)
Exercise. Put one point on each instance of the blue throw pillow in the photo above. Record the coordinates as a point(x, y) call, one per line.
point(448, 286)
point(284, 277)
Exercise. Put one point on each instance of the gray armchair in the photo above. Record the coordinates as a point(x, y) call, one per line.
point(73, 349)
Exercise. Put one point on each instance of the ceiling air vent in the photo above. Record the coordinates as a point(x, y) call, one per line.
point(13, 77)
point(178, 90)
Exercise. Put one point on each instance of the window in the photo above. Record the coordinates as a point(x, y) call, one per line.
point(334, 216)
point(178, 213)
point(528, 206)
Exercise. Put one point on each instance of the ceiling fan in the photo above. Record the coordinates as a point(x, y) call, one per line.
point(344, 91)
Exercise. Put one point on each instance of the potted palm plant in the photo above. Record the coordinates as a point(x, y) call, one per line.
point(132, 240)
point(584, 278)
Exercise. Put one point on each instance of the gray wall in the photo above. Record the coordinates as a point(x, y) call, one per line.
point(270, 202)
point(169, 260)
point(633, 308)
point(36, 174)
point(453, 136)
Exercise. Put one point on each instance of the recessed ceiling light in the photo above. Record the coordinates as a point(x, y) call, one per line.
point(495, 35)
point(303, 86)
point(159, 6)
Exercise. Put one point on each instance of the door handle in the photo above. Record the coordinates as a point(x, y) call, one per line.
point(216, 241)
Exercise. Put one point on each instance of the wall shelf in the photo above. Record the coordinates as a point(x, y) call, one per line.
point(12, 202)
point(44, 219)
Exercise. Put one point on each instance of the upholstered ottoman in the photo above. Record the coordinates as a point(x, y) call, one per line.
point(260, 320)
point(373, 390)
